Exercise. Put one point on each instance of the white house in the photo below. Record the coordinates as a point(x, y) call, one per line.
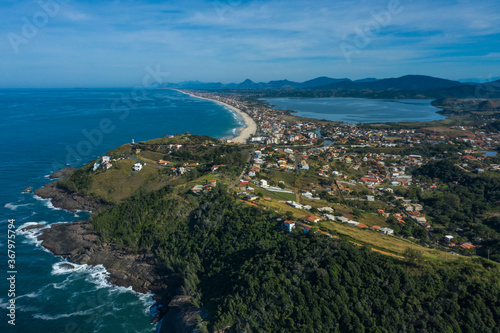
point(330, 217)
point(137, 167)
point(386, 231)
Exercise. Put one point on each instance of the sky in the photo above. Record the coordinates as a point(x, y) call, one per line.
point(69, 43)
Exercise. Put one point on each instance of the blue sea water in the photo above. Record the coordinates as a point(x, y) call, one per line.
point(45, 130)
point(359, 110)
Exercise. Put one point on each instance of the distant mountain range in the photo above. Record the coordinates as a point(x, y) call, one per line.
point(408, 86)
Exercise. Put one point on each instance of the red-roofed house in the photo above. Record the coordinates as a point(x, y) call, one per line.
point(311, 219)
point(467, 246)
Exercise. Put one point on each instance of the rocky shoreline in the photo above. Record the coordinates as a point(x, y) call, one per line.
point(78, 243)
point(61, 198)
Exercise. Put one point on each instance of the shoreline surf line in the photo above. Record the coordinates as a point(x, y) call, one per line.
point(246, 131)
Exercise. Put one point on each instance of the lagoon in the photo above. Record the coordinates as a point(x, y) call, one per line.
point(359, 110)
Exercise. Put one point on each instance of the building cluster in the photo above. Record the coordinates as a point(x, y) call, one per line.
point(340, 157)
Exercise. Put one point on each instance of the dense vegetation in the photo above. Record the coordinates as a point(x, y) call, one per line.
point(79, 181)
point(252, 277)
point(462, 203)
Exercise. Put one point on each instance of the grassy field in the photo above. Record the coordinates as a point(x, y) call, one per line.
point(282, 208)
point(391, 244)
point(371, 219)
point(120, 181)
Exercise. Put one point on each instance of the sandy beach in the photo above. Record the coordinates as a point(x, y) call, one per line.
point(250, 125)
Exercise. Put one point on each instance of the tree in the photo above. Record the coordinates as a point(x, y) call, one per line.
point(413, 255)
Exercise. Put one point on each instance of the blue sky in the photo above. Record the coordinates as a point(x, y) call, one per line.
point(119, 43)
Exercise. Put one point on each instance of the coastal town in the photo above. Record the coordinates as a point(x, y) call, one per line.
point(340, 177)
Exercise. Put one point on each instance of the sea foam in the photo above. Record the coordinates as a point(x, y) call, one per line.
point(98, 275)
point(14, 207)
point(46, 202)
point(31, 236)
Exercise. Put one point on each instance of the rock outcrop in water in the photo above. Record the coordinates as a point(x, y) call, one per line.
point(79, 244)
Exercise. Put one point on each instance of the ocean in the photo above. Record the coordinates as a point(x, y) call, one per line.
point(46, 130)
point(359, 110)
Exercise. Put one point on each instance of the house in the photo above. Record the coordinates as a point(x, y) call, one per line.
point(263, 183)
point(362, 226)
point(106, 165)
point(330, 217)
point(251, 197)
point(96, 166)
point(408, 207)
point(417, 216)
point(386, 231)
point(369, 180)
point(311, 219)
point(294, 204)
point(306, 228)
point(243, 182)
point(197, 189)
point(353, 223)
point(137, 167)
point(467, 246)
point(383, 213)
point(342, 219)
point(417, 207)
point(288, 225)
point(162, 162)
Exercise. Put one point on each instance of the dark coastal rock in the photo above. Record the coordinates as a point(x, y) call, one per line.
point(28, 189)
point(181, 317)
point(34, 226)
point(61, 198)
point(77, 242)
point(66, 172)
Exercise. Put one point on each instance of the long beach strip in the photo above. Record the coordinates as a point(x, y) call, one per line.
point(250, 125)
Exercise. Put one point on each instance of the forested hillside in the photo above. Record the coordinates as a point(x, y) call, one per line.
point(250, 276)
